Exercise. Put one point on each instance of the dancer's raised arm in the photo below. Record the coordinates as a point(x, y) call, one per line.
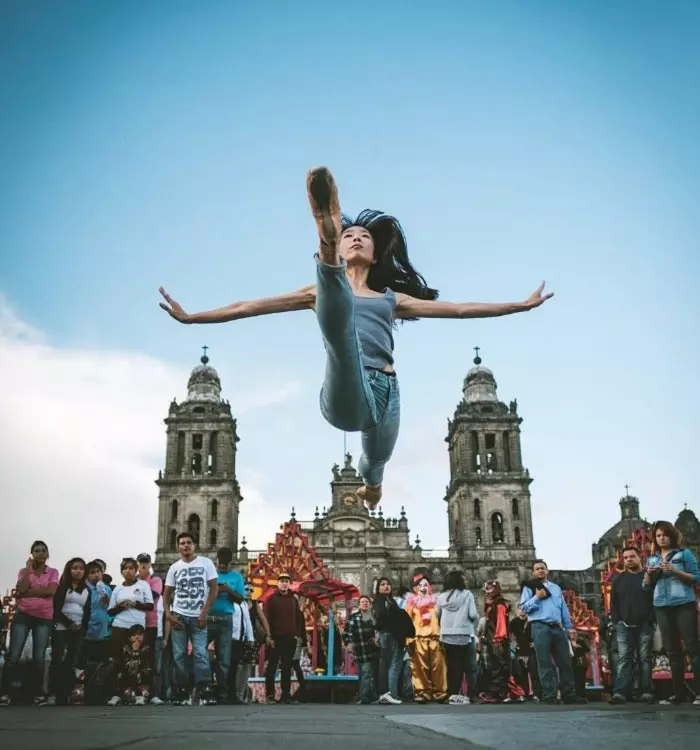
point(410, 307)
point(302, 299)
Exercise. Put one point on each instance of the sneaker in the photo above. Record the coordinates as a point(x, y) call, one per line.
point(618, 699)
point(696, 702)
point(185, 701)
point(115, 700)
point(388, 698)
point(139, 701)
point(458, 700)
point(672, 701)
point(207, 700)
point(156, 701)
point(5, 700)
point(45, 700)
point(648, 698)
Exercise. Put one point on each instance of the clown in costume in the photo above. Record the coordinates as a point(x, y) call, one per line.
point(428, 668)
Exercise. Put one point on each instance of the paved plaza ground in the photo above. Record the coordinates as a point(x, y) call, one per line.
point(316, 727)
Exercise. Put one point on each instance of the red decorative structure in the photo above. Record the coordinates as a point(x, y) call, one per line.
point(586, 621)
point(292, 553)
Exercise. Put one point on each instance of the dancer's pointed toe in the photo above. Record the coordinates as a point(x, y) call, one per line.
point(325, 207)
point(371, 496)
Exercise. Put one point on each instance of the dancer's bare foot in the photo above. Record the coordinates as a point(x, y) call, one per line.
point(370, 496)
point(325, 207)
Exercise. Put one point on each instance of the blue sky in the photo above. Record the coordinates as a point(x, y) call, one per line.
point(166, 143)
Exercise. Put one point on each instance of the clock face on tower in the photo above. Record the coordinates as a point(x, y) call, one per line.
point(349, 500)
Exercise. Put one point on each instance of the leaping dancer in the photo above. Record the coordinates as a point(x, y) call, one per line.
point(364, 283)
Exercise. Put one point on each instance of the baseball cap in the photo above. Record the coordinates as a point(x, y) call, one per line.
point(144, 557)
point(284, 575)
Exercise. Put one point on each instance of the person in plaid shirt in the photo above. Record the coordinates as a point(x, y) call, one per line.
point(360, 640)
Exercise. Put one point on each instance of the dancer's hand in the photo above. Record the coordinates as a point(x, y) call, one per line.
point(534, 300)
point(174, 309)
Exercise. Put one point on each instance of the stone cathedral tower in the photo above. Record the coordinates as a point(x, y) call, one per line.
point(198, 491)
point(488, 498)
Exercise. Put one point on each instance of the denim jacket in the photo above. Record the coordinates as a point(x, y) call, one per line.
point(669, 590)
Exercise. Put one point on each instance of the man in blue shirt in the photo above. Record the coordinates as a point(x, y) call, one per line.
point(543, 603)
point(220, 618)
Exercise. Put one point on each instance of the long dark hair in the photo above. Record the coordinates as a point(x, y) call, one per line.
point(391, 268)
point(454, 581)
point(66, 581)
point(380, 581)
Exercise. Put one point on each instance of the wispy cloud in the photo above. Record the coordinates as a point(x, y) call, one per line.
point(81, 441)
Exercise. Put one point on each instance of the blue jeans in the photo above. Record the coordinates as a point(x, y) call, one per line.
point(220, 629)
point(390, 665)
point(190, 632)
point(631, 643)
point(22, 626)
point(552, 642)
point(354, 399)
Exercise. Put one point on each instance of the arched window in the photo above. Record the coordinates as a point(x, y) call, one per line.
point(193, 526)
point(497, 531)
point(477, 508)
point(516, 535)
point(515, 507)
point(478, 536)
point(214, 510)
point(174, 508)
point(173, 538)
point(212, 538)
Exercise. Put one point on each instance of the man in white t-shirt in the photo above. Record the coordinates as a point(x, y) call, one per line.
point(191, 588)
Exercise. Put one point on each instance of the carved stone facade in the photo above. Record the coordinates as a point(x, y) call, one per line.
point(198, 491)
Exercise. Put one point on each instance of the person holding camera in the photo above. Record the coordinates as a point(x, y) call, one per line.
point(672, 573)
point(551, 627)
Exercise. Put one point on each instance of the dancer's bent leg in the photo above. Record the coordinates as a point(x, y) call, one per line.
point(347, 400)
point(378, 442)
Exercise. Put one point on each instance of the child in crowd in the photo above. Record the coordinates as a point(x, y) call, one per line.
point(97, 635)
point(128, 605)
point(135, 676)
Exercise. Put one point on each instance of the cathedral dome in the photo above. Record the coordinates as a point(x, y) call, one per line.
point(480, 384)
point(204, 383)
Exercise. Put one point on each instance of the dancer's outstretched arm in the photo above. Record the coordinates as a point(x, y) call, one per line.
point(410, 307)
point(303, 299)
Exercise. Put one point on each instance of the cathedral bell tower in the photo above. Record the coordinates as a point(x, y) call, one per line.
point(198, 491)
point(488, 498)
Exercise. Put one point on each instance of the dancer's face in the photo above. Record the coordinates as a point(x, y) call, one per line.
point(357, 246)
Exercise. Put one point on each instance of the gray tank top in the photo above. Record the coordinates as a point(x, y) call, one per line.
point(374, 322)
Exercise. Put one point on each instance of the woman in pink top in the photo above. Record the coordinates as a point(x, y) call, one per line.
point(36, 586)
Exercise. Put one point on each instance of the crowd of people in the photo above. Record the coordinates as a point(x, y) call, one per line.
point(196, 637)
